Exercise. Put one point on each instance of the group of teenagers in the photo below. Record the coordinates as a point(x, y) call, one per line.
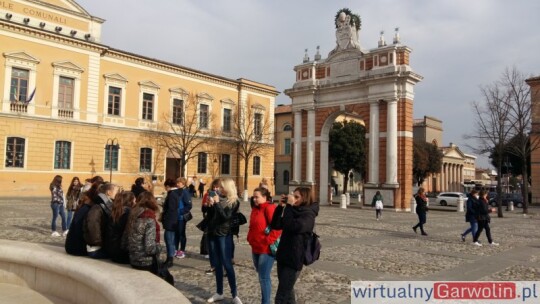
point(477, 215)
point(124, 227)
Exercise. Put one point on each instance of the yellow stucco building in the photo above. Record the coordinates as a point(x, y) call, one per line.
point(73, 106)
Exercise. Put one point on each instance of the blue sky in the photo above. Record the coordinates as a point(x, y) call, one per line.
point(457, 45)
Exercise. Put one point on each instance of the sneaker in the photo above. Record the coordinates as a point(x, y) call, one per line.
point(494, 244)
point(65, 233)
point(210, 271)
point(216, 297)
point(462, 238)
point(180, 254)
point(206, 256)
point(55, 233)
point(477, 244)
point(414, 228)
point(236, 300)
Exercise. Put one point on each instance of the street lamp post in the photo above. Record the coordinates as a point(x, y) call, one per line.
point(111, 143)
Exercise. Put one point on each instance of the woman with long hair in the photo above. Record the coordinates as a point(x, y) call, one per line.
point(122, 204)
point(143, 234)
point(223, 205)
point(72, 196)
point(57, 205)
point(207, 213)
point(260, 236)
point(482, 215)
point(95, 222)
point(295, 215)
point(421, 209)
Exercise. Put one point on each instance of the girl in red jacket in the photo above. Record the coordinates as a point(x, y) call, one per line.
point(260, 237)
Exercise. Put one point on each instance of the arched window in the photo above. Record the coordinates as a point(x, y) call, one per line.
point(286, 177)
point(287, 127)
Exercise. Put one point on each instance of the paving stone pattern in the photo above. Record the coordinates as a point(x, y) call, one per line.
point(355, 247)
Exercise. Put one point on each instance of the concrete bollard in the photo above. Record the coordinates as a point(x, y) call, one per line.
point(348, 198)
point(511, 205)
point(460, 204)
point(413, 205)
point(360, 200)
point(343, 201)
point(246, 196)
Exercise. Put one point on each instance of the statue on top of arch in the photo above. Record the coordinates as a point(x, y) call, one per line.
point(347, 27)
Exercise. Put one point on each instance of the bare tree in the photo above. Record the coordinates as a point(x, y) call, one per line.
point(521, 122)
point(492, 126)
point(253, 133)
point(186, 130)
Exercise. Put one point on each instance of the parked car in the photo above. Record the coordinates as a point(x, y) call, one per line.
point(450, 198)
point(507, 197)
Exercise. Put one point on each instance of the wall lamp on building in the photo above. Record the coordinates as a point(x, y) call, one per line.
point(26, 20)
point(112, 144)
point(8, 16)
point(73, 32)
point(42, 24)
point(58, 29)
point(87, 36)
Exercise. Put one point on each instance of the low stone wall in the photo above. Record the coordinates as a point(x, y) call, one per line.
point(51, 272)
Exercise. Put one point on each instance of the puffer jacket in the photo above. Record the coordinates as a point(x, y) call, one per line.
point(142, 240)
point(297, 223)
point(96, 221)
point(219, 223)
point(470, 214)
point(260, 219)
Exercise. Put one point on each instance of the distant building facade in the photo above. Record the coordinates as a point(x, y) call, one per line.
point(75, 107)
point(283, 148)
point(457, 167)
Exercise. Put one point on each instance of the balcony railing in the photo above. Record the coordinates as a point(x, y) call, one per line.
point(18, 107)
point(65, 113)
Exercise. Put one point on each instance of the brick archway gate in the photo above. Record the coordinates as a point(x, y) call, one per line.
point(376, 85)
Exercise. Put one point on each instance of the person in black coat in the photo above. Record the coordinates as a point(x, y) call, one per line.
point(295, 216)
point(483, 209)
point(169, 219)
point(421, 209)
point(138, 187)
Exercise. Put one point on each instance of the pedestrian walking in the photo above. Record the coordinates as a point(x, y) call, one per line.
point(482, 215)
point(57, 205)
point(377, 202)
point(421, 210)
point(470, 214)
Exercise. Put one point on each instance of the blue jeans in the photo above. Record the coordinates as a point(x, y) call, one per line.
point(180, 237)
point(69, 217)
point(263, 265)
point(473, 229)
point(58, 208)
point(220, 247)
point(170, 237)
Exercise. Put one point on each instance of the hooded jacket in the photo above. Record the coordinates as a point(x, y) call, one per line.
point(96, 221)
point(261, 217)
point(143, 238)
point(297, 223)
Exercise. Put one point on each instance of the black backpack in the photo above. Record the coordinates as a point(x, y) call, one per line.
point(312, 249)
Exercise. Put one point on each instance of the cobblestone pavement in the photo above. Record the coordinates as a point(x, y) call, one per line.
point(355, 247)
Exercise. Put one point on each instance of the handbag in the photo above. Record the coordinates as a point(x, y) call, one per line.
point(202, 225)
point(238, 219)
point(187, 216)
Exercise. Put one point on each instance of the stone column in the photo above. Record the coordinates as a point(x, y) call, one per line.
point(323, 169)
point(373, 142)
point(391, 143)
point(310, 147)
point(297, 169)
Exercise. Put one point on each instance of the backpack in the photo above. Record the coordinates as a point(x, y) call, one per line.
point(312, 249)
